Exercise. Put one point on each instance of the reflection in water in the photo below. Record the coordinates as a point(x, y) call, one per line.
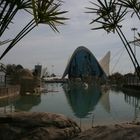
point(105, 101)
point(25, 103)
point(8, 101)
point(88, 106)
point(6, 104)
point(81, 100)
point(133, 100)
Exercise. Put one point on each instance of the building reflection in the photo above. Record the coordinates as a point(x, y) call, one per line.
point(26, 102)
point(81, 100)
point(105, 101)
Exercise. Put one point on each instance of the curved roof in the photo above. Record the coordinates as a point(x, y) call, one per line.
point(83, 62)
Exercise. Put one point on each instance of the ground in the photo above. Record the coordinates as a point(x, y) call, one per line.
point(50, 126)
point(124, 131)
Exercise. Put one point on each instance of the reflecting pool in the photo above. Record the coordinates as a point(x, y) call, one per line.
point(87, 106)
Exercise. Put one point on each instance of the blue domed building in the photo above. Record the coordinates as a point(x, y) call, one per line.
point(83, 65)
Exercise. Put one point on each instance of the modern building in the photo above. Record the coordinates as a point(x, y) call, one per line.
point(38, 69)
point(84, 66)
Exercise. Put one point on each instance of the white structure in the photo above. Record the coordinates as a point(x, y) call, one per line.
point(105, 62)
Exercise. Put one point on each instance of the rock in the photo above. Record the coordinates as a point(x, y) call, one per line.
point(126, 131)
point(37, 126)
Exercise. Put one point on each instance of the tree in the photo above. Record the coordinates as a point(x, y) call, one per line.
point(43, 12)
point(116, 78)
point(110, 14)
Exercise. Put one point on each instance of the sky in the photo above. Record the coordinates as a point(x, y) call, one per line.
point(52, 50)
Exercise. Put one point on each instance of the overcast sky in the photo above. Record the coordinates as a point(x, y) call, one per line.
point(52, 50)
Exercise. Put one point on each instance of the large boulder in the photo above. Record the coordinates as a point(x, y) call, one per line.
point(37, 126)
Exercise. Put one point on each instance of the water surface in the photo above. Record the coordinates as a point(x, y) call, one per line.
point(87, 106)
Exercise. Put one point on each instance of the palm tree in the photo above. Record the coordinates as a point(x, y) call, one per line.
point(43, 11)
point(133, 5)
point(8, 9)
point(109, 17)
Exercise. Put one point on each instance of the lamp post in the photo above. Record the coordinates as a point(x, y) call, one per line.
point(134, 30)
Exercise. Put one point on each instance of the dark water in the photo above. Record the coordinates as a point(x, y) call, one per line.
point(87, 106)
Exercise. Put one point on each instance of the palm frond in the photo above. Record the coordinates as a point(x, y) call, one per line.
point(9, 9)
point(108, 15)
point(44, 12)
point(97, 28)
point(47, 12)
point(5, 42)
point(134, 5)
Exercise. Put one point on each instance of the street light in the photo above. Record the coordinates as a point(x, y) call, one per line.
point(134, 30)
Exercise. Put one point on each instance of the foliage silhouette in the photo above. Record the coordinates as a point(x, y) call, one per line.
point(43, 12)
point(110, 14)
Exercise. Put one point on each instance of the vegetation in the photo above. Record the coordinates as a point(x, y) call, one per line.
point(110, 14)
point(15, 73)
point(42, 11)
point(18, 75)
point(120, 80)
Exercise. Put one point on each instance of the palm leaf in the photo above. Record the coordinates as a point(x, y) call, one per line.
point(44, 12)
point(34, 11)
point(5, 42)
point(97, 28)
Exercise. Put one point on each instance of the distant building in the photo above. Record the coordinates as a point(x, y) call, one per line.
point(38, 69)
point(83, 65)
